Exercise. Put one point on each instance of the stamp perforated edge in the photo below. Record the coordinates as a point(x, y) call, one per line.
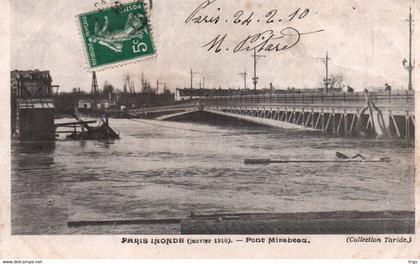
point(115, 65)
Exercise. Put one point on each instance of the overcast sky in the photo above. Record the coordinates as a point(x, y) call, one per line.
point(367, 41)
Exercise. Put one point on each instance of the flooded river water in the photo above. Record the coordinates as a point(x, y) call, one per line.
point(163, 170)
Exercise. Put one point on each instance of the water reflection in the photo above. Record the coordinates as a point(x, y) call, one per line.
point(105, 143)
point(37, 190)
point(34, 147)
point(38, 155)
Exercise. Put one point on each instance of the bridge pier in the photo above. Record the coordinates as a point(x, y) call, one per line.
point(407, 126)
point(346, 129)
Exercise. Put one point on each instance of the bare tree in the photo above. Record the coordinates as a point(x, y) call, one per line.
point(337, 81)
point(108, 88)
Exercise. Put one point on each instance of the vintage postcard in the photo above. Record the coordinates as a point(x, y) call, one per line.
point(209, 129)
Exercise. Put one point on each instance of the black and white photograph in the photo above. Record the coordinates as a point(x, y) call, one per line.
point(250, 120)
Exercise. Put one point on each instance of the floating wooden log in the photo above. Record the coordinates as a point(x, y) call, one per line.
point(64, 132)
point(71, 124)
point(269, 161)
point(123, 222)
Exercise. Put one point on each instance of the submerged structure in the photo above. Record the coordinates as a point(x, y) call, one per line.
point(101, 132)
point(32, 106)
point(32, 111)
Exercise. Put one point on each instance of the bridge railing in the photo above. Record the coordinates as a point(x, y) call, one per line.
point(396, 100)
point(178, 106)
point(392, 100)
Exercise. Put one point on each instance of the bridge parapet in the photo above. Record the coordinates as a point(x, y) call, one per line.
point(162, 110)
point(392, 101)
point(387, 101)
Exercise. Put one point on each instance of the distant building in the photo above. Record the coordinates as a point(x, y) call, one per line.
point(89, 104)
point(102, 104)
point(188, 93)
point(85, 104)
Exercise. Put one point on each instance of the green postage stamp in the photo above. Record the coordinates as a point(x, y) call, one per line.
point(117, 34)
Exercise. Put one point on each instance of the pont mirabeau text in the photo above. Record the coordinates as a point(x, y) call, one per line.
point(271, 240)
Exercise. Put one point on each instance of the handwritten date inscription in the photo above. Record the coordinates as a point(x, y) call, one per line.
point(270, 40)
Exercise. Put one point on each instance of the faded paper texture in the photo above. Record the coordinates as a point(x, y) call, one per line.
point(254, 129)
